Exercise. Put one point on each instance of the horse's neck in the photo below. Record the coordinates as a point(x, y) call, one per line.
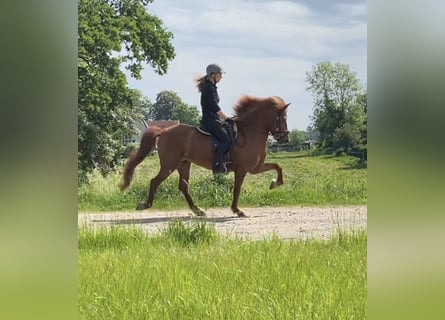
point(256, 124)
point(253, 133)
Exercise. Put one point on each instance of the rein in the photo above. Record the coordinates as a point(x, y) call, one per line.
point(279, 132)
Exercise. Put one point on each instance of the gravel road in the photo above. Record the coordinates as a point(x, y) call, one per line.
point(287, 223)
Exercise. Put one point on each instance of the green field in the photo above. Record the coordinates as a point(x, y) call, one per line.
point(189, 272)
point(308, 180)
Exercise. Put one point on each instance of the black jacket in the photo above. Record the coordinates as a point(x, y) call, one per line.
point(209, 101)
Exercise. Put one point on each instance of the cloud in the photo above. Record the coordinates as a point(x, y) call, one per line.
point(266, 47)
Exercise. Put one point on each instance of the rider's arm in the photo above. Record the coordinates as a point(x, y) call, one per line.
point(221, 115)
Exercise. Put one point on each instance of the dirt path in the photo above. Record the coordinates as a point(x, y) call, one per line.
point(287, 223)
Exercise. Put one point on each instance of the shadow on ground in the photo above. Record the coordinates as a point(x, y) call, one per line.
point(166, 219)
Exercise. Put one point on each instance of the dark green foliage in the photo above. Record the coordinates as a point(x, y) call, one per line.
point(169, 106)
point(297, 138)
point(340, 107)
point(112, 33)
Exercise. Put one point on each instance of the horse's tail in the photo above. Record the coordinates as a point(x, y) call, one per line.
point(148, 143)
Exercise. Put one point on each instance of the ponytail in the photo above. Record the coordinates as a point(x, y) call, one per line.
point(200, 82)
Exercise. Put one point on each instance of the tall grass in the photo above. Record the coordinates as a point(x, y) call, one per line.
point(320, 180)
point(124, 274)
point(191, 233)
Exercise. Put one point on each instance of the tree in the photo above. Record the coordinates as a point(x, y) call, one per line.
point(187, 114)
point(312, 134)
point(169, 106)
point(111, 34)
point(338, 115)
point(346, 137)
point(297, 138)
point(146, 106)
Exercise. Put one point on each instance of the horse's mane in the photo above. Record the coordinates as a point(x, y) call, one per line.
point(247, 104)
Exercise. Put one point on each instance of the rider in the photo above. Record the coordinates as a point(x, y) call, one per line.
point(212, 115)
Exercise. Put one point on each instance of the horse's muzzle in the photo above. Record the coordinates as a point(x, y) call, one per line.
point(282, 137)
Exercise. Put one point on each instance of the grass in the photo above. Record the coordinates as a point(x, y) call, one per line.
point(189, 272)
point(308, 180)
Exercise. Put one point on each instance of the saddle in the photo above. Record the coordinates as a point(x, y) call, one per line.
point(232, 130)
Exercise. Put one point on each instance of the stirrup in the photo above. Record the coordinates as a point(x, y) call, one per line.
point(220, 169)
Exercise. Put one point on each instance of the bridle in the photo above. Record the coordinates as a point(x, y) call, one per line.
point(280, 132)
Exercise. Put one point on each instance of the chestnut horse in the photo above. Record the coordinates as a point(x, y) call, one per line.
point(182, 144)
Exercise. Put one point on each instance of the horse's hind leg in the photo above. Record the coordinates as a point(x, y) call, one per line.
point(184, 175)
point(154, 184)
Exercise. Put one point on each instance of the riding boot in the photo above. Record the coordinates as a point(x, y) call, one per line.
point(219, 168)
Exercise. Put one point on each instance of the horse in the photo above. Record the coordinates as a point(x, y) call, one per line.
point(180, 145)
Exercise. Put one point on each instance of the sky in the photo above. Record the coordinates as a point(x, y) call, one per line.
point(265, 47)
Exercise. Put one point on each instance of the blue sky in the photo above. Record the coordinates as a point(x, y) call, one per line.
point(265, 47)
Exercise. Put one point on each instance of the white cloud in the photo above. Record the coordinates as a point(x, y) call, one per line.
point(266, 47)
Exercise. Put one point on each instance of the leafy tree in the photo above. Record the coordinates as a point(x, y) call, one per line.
point(162, 108)
point(338, 116)
point(111, 34)
point(297, 138)
point(146, 106)
point(187, 114)
point(312, 134)
point(169, 106)
point(346, 137)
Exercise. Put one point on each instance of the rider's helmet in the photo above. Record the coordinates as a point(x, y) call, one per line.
point(213, 68)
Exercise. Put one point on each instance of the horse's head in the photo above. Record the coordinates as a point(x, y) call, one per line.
point(269, 114)
point(280, 133)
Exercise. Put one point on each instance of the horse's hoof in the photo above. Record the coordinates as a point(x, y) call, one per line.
point(141, 206)
point(240, 214)
point(275, 184)
point(199, 212)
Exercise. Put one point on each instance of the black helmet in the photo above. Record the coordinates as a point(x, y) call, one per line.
point(213, 68)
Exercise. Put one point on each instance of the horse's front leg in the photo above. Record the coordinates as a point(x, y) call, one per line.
point(239, 178)
point(267, 167)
